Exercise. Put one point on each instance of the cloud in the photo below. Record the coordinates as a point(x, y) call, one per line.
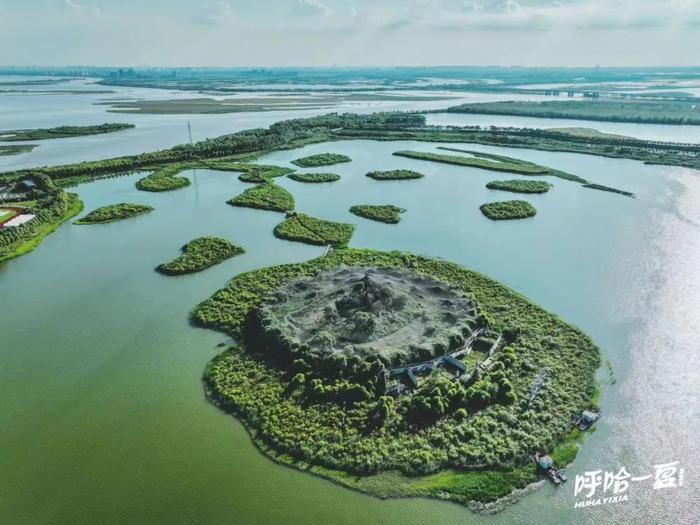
point(213, 14)
point(315, 6)
point(80, 8)
point(532, 15)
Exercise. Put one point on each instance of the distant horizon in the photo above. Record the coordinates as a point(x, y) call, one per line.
point(340, 66)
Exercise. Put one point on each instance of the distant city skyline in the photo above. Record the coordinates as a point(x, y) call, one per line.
point(350, 33)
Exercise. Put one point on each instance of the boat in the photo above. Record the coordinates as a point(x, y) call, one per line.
point(585, 419)
point(546, 465)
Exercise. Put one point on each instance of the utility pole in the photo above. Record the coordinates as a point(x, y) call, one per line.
point(194, 172)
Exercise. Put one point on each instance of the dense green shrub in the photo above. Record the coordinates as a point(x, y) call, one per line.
point(314, 177)
point(114, 212)
point(520, 186)
point(395, 175)
point(304, 228)
point(505, 210)
point(321, 159)
point(164, 179)
point(199, 254)
point(383, 213)
point(265, 196)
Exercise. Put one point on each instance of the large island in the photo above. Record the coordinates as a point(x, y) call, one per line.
point(399, 375)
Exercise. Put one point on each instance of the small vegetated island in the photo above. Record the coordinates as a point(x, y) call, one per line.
point(114, 212)
point(399, 375)
point(199, 254)
point(61, 132)
point(520, 186)
point(314, 177)
point(164, 179)
point(310, 230)
point(506, 210)
point(255, 173)
point(488, 161)
point(16, 149)
point(395, 175)
point(382, 213)
point(265, 196)
point(321, 159)
point(167, 178)
point(636, 111)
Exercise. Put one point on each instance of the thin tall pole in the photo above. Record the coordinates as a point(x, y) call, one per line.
point(194, 172)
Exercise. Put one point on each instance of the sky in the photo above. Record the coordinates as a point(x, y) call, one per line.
point(350, 32)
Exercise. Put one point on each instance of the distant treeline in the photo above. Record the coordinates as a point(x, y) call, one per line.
point(284, 134)
point(634, 111)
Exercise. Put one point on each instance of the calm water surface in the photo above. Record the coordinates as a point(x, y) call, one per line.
point(103, 415)
point(48, 106)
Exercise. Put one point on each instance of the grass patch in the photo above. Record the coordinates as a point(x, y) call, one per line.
point(321, 159)
point(520, 186)
point(314, 177)
point(395, 175)
point(114, 212)
point(304, 228)
point(383, 213)
point(506, 210)
point(265, 196)
point(6, 215)
point(199, 254)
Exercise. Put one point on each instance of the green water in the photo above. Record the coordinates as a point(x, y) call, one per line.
point(103, 418)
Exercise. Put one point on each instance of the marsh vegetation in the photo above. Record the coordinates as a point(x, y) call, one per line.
point(321, 159)
point(310, 230)
point(314, 177)
point(265, 196)
point(16, 149)
point(61, 132)
point(520, 186)
point(114, 212)
point(395, 175)
point(507, 210)
point(199, 254)
point(382, 213)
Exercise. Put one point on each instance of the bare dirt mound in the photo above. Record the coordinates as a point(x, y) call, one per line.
point(395, 314)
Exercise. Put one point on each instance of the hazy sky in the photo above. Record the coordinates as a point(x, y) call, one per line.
point(349, 32)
